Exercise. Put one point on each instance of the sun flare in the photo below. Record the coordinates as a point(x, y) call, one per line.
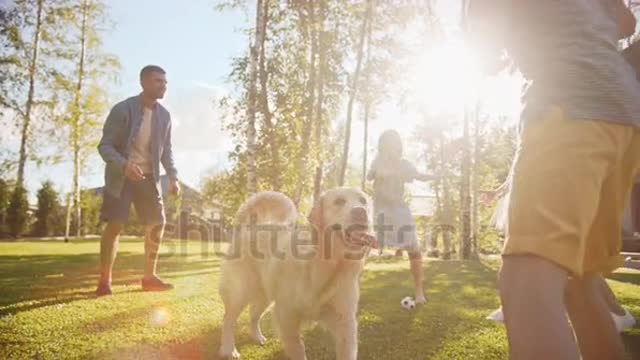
point(446, 78)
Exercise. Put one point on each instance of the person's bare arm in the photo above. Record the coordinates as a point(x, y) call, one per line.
point(503, 188)
point(427, 177)
point(625, 18)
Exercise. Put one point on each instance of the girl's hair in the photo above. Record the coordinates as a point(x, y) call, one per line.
point(390, 144)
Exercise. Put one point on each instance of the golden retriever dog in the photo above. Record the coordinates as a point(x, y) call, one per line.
point(309, 273)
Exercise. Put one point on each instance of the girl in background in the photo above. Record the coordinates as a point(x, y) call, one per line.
point(395, 226)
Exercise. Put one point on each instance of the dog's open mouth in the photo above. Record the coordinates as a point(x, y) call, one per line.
point(359, 236)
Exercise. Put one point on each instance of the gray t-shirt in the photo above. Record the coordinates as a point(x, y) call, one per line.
point(568, 50)
point(389, 178)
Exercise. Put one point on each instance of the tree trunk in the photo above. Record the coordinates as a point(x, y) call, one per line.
point(76, 121)
point(67, 228)
point(311, 88)
point(352, 95)
point(448, 224)
point(317, 184)
point(319, 119)
point(476, 180)
point(252, 184)
point(33, 65)
point(367, 103)
point(465, 187)
point(272, 136)
point(437, 228)
point(439, 211)
point(367, 108)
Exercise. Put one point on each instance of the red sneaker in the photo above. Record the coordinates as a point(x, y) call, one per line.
point(155, 284)
point(103, 290)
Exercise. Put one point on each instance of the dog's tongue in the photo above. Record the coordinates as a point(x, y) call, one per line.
point(365, 239)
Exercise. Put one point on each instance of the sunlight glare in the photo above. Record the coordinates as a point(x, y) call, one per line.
point(445, 78)
point(160, 317)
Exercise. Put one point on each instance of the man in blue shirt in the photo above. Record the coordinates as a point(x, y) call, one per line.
point(136, 139)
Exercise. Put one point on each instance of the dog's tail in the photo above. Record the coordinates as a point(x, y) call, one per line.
point(271, 209)
point(268, 207)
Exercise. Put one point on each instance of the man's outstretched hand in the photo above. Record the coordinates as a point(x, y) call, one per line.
point(430, 177)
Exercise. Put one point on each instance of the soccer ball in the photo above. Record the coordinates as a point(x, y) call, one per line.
point(408, 303)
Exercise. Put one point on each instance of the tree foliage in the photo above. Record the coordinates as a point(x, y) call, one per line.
point(308, 62)
point(17, 213)
point(49, 215)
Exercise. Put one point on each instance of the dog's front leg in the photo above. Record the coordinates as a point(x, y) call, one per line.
point(346, 337)
point(290, 325)
point(227, 342)
point(344, 328)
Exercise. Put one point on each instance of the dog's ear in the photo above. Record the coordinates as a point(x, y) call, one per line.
point(316, 216)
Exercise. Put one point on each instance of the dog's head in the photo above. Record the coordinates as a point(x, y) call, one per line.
point(345, 214)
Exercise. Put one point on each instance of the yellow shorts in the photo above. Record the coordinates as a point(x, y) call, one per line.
point(571, 180)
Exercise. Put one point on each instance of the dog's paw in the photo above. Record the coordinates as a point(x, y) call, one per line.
point(226, 355)
point(259, 338)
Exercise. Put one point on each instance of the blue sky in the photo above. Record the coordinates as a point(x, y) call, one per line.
point(195, 45)
point(191, 40)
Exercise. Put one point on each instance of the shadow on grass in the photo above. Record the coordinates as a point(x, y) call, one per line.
point(632, 344)
point(203, 346)
point(460, 294)
point(456, 291)
point(631, 278)
point(34, 281)
point(451, 325)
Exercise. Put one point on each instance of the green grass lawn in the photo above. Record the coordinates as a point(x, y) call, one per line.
point(47, 308)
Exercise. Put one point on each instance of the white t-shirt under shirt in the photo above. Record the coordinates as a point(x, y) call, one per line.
point(141, 149)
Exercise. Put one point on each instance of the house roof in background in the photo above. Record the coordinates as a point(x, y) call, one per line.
point(422, 205)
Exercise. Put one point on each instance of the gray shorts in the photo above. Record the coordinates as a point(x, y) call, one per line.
point(145, 197)
point(396, 228)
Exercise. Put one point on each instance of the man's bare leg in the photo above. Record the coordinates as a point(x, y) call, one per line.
point(532, 290)
point(595, 330)
point(152, 238)
point(108, 250)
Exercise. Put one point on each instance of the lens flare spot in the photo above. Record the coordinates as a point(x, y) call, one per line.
point(160, 317)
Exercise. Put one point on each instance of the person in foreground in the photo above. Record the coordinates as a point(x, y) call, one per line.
point(578, 151)
point(622, 318)
point(395, 226)
point(136, 138)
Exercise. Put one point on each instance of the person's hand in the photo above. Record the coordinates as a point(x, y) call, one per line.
point(434, 177)
point(174, 187)
point(438, 177)
point(133, 172)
